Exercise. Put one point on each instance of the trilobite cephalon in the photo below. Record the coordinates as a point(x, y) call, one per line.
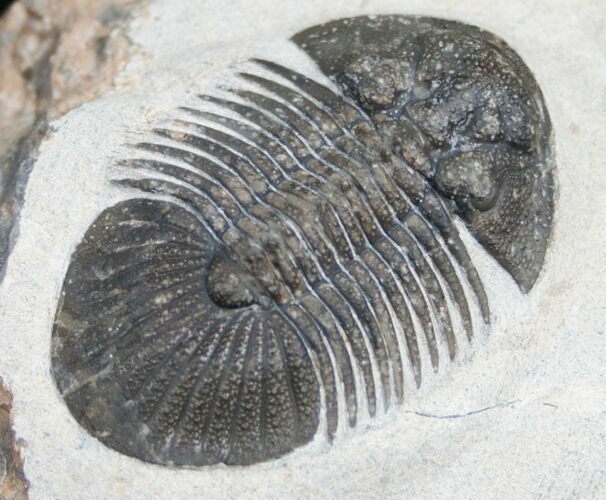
point(289, 253)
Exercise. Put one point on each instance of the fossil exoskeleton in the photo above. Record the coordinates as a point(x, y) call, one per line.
point(289, 256)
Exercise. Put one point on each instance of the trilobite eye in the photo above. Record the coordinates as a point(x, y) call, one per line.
point(469, 178)
point(288, 258)
point(487, 127)
point(376, 82)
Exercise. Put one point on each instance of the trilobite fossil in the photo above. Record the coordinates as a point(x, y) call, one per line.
point(290, 251)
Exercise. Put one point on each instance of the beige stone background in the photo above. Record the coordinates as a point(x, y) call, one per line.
point(521, 415)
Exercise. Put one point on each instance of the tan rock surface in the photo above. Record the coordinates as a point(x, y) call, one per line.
point(55, 56)
point(13, 485)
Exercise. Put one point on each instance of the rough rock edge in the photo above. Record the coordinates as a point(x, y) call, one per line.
point(41, 53)
point(13, 484)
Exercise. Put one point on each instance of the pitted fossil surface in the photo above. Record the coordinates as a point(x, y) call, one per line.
point(289, 258)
